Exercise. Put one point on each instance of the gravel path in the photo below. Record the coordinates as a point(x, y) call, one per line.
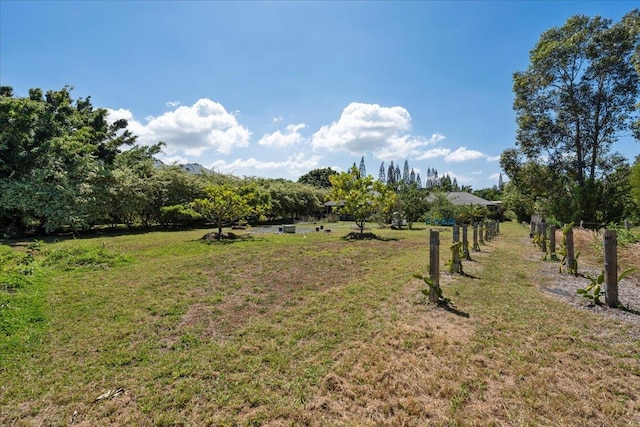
point(563, 287)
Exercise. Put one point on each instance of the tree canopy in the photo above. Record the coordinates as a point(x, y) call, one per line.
point(318, 177)
point(576, 98)
point(360, 196)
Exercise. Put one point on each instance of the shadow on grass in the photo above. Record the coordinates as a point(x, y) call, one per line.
point(354, 235)
point(452, 309)
point(226, 238)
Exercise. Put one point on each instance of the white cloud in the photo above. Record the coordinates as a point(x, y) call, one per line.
point(276, 120)
point(476, 173)
point(400, 147)
point(295, 165)
point(436, 137)
point(291, 136)
point(493, 158)
point(462, 154)
point(365, 127)
point(206, 125)
point(433, 153)
point(495, 177)
point(173, 104)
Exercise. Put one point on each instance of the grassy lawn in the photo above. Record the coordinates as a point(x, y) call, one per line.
point(292, 329)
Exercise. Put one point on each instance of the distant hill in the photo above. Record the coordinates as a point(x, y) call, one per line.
point(194, 168)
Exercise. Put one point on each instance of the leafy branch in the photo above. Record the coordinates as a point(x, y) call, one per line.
point(442, 301)
point(594, 290)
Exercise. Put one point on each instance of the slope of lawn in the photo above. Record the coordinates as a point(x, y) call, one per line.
point(304, 329)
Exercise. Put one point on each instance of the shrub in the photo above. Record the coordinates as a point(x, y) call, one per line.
point(179, 215)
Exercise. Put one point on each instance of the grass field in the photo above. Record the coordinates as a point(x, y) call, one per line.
point(289, 329)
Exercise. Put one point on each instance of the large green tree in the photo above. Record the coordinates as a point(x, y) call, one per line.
point(360, 196)
point(318, 177)
point(412, 202)
point(576, 98)
point(56, 155)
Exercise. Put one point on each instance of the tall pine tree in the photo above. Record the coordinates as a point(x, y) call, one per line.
point(381, 175)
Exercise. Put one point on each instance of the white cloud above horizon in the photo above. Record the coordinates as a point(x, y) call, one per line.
point(193, 133)
point(291, 136)
point(206, 125)
point(296, 165)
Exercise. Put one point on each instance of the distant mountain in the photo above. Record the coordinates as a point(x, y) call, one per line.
point(194, 168)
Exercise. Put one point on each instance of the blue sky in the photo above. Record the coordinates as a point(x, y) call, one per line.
point(275, 89)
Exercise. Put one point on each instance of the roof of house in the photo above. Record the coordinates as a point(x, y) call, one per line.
point(460, 198)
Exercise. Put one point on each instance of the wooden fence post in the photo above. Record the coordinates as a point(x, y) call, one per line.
point(476, 246)
point(610, 268)
point(532, 227)
point(434, 264)
point(481, 232)
point(497, 227)
point(465, 243)
point(456, 233)
point(486, 232)
point(543, 233)
point(572, 265)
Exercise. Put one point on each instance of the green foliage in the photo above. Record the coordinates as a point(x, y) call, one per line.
point(467, 214)
point(440, 208)
point(411, 202)
point(361, 197)
point(225, 204)
point(179, 215)
point(577, 72)
point(455, 262)
point(594, 289)
point(56, 153)
point(432, 287)
point(318, 177)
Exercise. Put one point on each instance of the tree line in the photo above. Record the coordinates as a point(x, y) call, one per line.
point(65, 167)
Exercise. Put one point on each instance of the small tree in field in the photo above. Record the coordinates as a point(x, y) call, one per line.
point(223, 204)
point(361, 196)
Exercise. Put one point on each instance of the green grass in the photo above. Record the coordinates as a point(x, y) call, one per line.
point(304, 329)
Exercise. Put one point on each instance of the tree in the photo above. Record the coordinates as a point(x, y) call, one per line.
point(412, 202)
point(56, 158)
point(318, 177)
point(360, 196)
point(574, 100)
point(391, 176)
point(440, 207)
point(381, 174)
point(405, 172)
point(223, 204)
point(362, 169)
